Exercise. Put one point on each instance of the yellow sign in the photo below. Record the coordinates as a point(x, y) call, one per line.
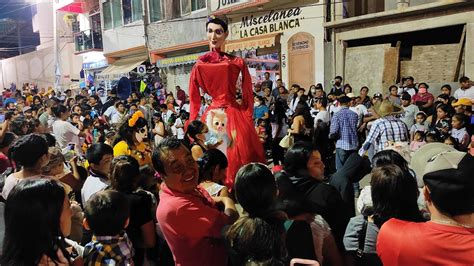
point(178, 60)
point(250, 44)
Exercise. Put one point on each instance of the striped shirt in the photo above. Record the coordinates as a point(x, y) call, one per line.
point(384, 130)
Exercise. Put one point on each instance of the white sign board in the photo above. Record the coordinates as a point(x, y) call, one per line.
point(223, 4)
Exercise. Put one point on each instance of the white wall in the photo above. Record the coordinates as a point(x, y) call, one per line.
point(38, 67)
point(124, 37)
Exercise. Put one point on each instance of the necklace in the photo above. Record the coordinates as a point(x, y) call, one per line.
point(451, 222)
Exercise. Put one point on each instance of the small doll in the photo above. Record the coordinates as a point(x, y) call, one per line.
point(217, 136)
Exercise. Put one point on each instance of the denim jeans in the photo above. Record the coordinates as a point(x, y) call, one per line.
point(341, 157)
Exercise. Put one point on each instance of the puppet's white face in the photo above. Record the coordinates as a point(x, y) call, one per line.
point(141, 134)
point(219, 124)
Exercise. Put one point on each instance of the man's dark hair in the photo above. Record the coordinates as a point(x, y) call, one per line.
point(463, 79)
point(217, 21)
point(338, 77)
point(106, 212)
point(170, 143)
point(27, 150)
point(410, 78)
point(96, 151)
point(296, 86)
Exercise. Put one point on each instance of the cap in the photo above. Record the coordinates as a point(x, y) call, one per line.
point(420, 158)
point(463, 101)
point(26, 109)
point(378, 95)
point(344, 99)
point(448, 176)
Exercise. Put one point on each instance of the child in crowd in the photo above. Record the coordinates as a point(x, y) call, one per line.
point(87, 128)
point(441, 123)
point(100, 157)
point(106, 215)
point(418, 141)
point(212, 172)
point(431, 137)
point(451, 142)
point(419, 125)
point(459, 132)
point(261, 131)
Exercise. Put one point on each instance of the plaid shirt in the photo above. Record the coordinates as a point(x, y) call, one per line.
point(344, 125)
point(108, 250)
point(383, 130)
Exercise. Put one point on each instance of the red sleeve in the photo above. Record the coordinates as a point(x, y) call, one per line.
point(247, 91)
point(194, 95)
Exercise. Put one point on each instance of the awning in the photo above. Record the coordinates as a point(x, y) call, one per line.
point(122, 67)
point(178, 60)
point(72, 6)
point(263, 41)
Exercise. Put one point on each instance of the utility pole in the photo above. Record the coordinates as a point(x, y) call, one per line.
point(57, 66)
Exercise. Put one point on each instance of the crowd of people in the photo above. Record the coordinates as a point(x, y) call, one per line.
point(90, 180)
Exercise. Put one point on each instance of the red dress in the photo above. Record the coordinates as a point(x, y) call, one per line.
point(216, 74)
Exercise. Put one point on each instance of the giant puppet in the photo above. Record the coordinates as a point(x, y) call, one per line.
point(216, 74)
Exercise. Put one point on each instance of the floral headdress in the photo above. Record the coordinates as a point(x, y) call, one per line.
point(133, 120)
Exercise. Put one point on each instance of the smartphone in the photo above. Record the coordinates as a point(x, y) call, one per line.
point(2, 118)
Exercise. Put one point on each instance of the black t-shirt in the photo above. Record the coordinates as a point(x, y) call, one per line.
point(299, 240)
point(140, 213)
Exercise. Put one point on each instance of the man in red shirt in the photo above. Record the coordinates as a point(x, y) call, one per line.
point(188, 216)
point(181, 95)
point(448, 238)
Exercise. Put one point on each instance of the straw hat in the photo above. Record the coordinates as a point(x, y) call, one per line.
point(386, 107)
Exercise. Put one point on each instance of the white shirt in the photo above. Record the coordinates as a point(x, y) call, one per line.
point(178, 124)
point(410, 91)
point(468, 93)
point(65, 133)
point(409, 116)
point(323, 116)
point(114, 115)
point(361, 111)
point(93, 185)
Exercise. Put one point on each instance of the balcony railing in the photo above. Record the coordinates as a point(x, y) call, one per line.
point(88, 40)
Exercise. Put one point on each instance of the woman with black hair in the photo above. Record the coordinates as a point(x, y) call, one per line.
point(124, 177)
point(394, 195)
point(5, 144)
point(64, 132)
point(216, 74)
point(37, 220)
point(265, 236)
point(302, 180)
point(195, 138)
point(30, 154)
point(302, 125)
point(279, 126)
point(132, 137)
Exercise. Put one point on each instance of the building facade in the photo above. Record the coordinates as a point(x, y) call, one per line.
point(375, 43)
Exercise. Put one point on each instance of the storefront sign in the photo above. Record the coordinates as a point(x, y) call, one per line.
point(178, 60)
point(260, 42)
point(272, 21)
point(221, 4)
point(95, 65)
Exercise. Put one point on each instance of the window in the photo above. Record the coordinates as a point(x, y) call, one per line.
point(117, 13)
point(198, 4)
point(112, 11)
point(132, 11)
point(155, 10)
point(187, 6)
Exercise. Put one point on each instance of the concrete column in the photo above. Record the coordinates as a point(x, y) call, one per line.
point(401, 4)
point(468, 51)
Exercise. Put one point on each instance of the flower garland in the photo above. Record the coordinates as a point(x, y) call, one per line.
point(133, 120)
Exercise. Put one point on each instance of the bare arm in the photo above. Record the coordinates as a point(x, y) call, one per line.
point(148, 234)
point(229, 207)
